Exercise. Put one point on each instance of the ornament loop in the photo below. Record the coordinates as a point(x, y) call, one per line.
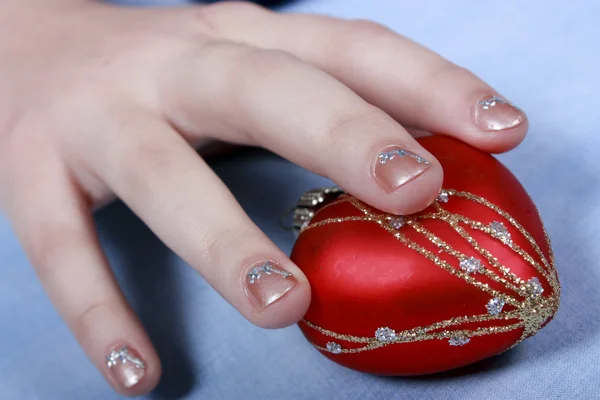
point(309, 203)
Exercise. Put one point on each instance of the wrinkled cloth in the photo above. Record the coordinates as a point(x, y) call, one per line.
point(542, 55)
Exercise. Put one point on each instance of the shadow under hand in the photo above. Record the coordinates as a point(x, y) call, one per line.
point(266, 186)
point(146, 271)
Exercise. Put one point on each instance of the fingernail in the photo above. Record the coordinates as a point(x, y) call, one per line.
point(395, 166)
point(126, 366)
point(268, 281)
point(495, 114)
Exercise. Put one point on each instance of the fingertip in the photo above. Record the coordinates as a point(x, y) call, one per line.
point(501, 141)
point(498, 124)
point(143, 388)
point(132, 370)
point(153, 376)
point(422, 191)
point(277, 294)
point(418, 193)
point(404, 179)
point(288, 311)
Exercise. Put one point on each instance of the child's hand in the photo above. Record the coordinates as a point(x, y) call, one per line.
point(97, 101)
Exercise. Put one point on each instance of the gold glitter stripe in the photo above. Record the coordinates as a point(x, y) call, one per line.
point(484, 252)
point(552, 259)
point(444, 335)
point(453, 218)
point(507, 216)
point(347, 338)
point(516, 248)
point(449, 268)
point(442, 245)
point(336, 220)
point(515, 314)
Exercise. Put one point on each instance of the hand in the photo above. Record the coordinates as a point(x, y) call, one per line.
point(99, 101)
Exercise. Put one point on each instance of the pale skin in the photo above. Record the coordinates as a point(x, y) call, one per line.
point(99, 101)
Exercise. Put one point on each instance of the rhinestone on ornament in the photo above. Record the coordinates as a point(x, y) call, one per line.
point(534, 287)
point(443, 197)
point(459, 340)
point(334, 347)
point(495, 305)
point(385, 334)
point(397, 222)
point(500, 232)
point(470, 265)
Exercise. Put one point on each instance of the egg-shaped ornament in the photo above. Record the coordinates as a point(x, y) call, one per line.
point(471, 276)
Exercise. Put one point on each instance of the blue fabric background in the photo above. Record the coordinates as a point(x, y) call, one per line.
point(543, 55)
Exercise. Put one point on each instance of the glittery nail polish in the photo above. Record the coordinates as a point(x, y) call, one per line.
point(126, 366)
point(496, 114)
point(396, 166)
point(266, 282)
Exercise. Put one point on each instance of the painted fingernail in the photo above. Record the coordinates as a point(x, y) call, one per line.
point(496, 114)
point(126, 366)
point(266, 282)
point(396, 166)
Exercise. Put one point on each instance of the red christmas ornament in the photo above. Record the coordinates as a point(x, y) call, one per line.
point(468, 278)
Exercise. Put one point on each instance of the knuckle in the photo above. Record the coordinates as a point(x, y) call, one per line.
point(462, 71)
point(27, 151)
point(13, 145)
point(251, 69)
point(142, 163)
point(48, 245)
point(211, 248)
point(365, 27)
point(151, 157)
point(440, 73)
point(203, 20)
point(85, 322)
point(248, 68)
point(212, 19)
point(214, 248)
point(267, 63)
point(238, 8)
point(446, 70)
point(336, 129)
point(349, 41)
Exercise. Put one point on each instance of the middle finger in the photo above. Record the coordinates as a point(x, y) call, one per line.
point(269, 98)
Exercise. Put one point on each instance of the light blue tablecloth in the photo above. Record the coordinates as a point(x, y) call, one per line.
point(543, 55)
